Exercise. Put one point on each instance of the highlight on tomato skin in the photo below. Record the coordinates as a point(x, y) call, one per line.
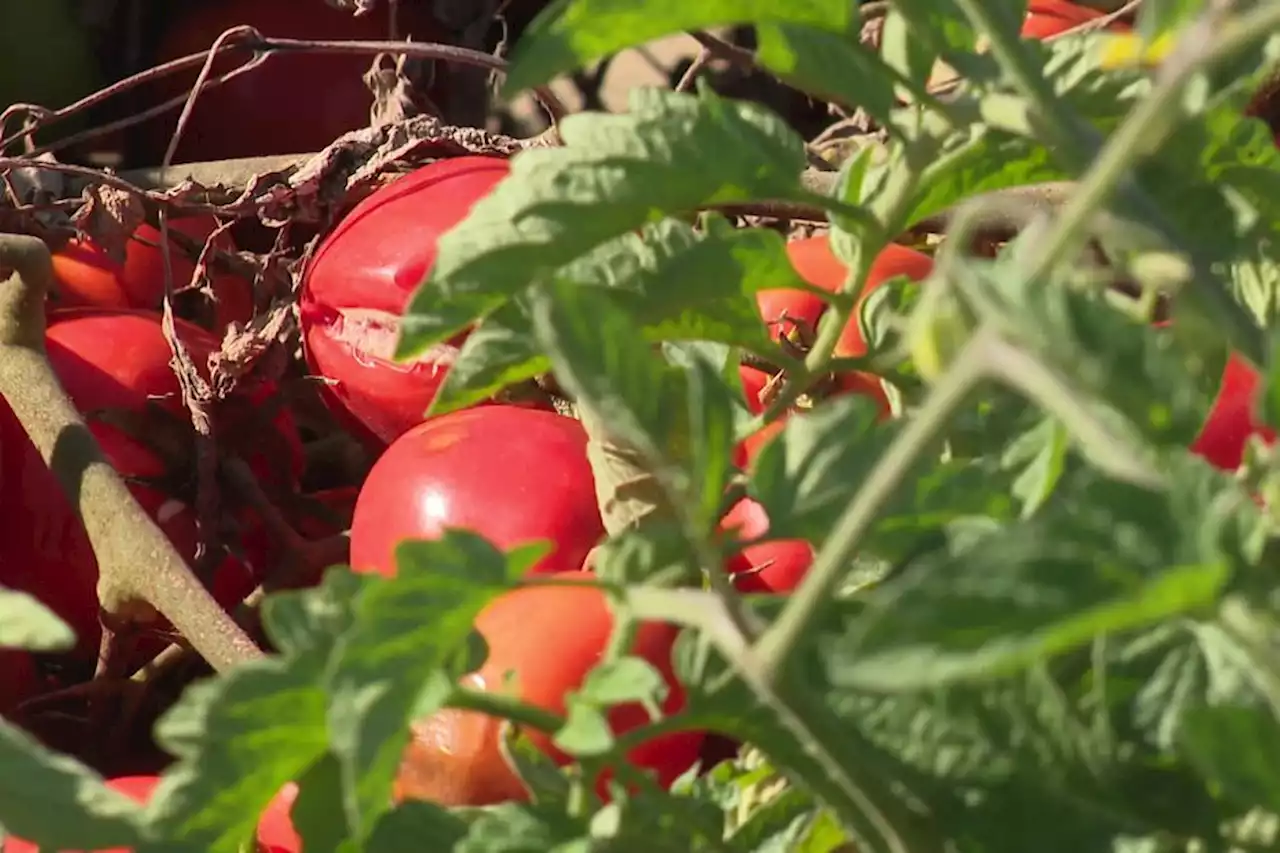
point(359, 283)
point(510, 474)
point(549, 637)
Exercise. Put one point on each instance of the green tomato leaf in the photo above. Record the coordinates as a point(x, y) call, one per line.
point(241, 737)
point(1232, 747)
point(830, 65)
point(1102, 557)
point(407, 643)
point(523, 828)
point(672, 152)
point(574, 33)
point(586, 732)
point(54, 800)
point(626, 679)
point(317, 814)
point(499, 353)
point(601, 360)
point(25, 623)
point(412, 824)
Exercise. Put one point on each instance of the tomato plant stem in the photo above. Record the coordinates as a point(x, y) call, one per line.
point(139, 571)
point(832, 561)
point(1147, 126)
point(505, 707)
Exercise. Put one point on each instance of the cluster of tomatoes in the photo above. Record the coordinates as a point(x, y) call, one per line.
point(512, 473)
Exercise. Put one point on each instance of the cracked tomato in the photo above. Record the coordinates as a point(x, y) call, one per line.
point(549, 637)
point(359, 282)
point(510, 474)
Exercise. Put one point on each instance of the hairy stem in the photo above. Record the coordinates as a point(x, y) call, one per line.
point(139, 572)
point(775, 648)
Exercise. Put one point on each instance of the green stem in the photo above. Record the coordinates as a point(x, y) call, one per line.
point(1038, 382)
point(506, 707)
point(1069, 137)
point(862, 799)
point(832, 562)
point(1147, 126)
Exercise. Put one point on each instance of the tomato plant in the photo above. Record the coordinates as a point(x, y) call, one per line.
point(549, 638)
point(260, 111)
point(275, 832)
point(86, 274)
point(359, 281)
point(794, 314)
point(512, 474)
point(116, 364)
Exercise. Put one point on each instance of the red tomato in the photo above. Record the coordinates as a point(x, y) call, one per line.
point(785, 310)
point(1049, 17)
point(510, 474)
point(1232, 419)
point(84, 275)
point(275, 832)
point(116, 360)
point(770, 566)
point(295, 102)
point(18, 678)
point(275, 828)
point(549, 638)
point(359, 282)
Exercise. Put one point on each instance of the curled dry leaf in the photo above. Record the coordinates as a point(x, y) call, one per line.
point(393, 91)
point(355, 7)
point(109, 216)
point(242, 347)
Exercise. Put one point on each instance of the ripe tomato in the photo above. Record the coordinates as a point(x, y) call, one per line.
point(1232, 419)
point(788, 312)
point(771, 566)
point(275, 831)
point(549, 638)
point(510, 474)
point(18, 678)
point(1049, 17)
point(357, 285)
point(85, 275)
point(116, 361)
point(294, 103)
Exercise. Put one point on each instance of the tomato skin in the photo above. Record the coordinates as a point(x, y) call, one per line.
point(1232, 419)
point(549, 638)
point(510, 474)
point(1047, 18)
point(104, 360)
point(294, 103)
point(771, 566)
point(19, 680)
point(818, 265)
point(86, 276)
point(359, 282)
